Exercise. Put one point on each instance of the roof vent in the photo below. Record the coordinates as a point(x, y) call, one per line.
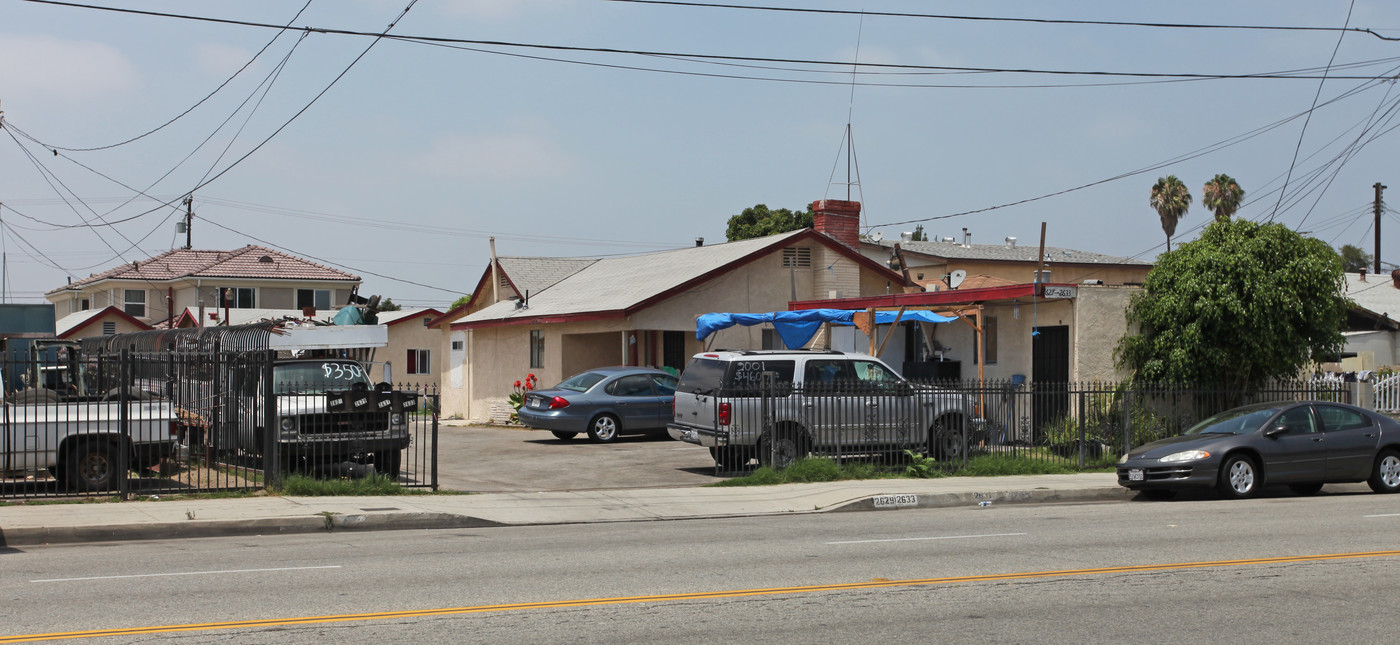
point(1011, 241)
point(949, 240)
point(907, 236)
point(266, 258)
point(699, 241)
point(967, 237)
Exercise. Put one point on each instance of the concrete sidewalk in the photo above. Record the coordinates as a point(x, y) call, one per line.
point(31, 525)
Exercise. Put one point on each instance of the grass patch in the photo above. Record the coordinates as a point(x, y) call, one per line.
point(810, 470)
point(303, 486)
point(822, 469)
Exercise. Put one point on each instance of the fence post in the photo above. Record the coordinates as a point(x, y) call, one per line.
point(1081, 429)
point(435, 399)
point(1127, 419)
point(123, 447)
point(272, 452)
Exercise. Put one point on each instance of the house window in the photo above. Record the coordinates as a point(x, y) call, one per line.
point(458, 345)
point(109, 328)
point(989, 340)
point(419, 361)
point(536, 348)
point(135, 303)
point(797, 256)
point(238, 297)
point(318, 298)
point(82, 304)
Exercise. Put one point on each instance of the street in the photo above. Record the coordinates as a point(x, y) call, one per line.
point(1285, 569)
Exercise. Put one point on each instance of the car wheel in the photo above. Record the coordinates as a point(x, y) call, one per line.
point(389, 462)
point(1385, 478)
point(1159, 494)
point(945, 439)
point(563, 436)
point(92, 466)
point(1305, 489)
point(1239, 477)
point(730, 458)
point(603, 429)
point(790, 446)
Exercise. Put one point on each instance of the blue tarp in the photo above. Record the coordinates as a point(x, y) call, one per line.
point(796, 328)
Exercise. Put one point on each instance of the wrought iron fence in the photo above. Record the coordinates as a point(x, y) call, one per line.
point(943, 425)
point(167, 422)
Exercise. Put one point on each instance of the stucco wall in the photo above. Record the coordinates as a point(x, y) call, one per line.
point(411, 334)
point(1101, 324)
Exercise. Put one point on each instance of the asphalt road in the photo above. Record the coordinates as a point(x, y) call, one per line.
point(1282, 569)
point(486, 459)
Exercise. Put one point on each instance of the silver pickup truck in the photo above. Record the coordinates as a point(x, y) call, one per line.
point(87, 445)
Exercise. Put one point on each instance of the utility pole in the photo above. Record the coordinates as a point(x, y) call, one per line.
point(189, 217)
point(1379, 188)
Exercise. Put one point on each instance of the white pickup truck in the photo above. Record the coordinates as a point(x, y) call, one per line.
point(82, 443)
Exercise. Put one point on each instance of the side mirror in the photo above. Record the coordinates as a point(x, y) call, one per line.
point(1276, 431)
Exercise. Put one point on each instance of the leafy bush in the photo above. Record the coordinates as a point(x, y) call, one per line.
point(922, 467)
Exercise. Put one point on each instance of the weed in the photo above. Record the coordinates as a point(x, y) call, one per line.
point(303, 486)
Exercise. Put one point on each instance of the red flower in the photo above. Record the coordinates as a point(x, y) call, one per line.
point(517, 384)
point(532, 377)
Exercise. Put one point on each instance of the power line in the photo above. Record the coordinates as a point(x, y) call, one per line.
point(720, 57)
point(197, 103)
point(1048, 21)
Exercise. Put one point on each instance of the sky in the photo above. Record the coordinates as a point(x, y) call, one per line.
point(591, 128)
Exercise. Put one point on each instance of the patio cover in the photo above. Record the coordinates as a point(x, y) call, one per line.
point(796, 328)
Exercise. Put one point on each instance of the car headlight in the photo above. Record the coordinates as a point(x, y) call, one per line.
point(289, 424)
point(1124, 458)
point(1187, 455)
point(396, 419)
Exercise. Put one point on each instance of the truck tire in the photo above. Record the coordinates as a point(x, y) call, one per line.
point(945, 439)
point(92, 466)
point(389, 463)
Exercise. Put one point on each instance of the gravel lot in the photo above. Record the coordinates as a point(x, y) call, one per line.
point(495, 459)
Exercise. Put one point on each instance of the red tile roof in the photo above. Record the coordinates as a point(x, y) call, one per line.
point(248, 262)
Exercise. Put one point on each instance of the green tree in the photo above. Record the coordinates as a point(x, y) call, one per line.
point(759, 221)
point(1244, 303)
point(460, 301)
point(387, 304)
point(1354, 259)
point(919, 234)
point(1170, 199)
point(1222, 196)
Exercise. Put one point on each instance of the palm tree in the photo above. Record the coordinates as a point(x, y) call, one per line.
point(1170, 199)
point(1222, 196)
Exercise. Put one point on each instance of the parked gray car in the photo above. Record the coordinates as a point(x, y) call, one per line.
point(1301, 444)
point(605, 402)
point(821, 401)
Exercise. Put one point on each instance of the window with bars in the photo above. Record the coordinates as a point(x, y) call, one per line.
point(798, 257)
point(536, 348)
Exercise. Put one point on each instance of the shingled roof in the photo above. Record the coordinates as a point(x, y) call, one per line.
point(1007, 253)
point(248, 262)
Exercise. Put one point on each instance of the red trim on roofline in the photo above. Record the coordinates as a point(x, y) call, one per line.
point(414, 316)
point(103, 314)
point(541, 320)
point(928, 298)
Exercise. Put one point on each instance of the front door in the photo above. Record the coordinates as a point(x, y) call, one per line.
point(1049, 375)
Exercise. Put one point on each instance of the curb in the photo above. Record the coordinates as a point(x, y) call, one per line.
point(898, 501)
point(41, 536)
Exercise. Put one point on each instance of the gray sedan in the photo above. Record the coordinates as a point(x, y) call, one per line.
point(1301, 444)
point(603, 402)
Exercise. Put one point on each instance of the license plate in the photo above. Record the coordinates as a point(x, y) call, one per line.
point(536, 403)
point(1134, 474)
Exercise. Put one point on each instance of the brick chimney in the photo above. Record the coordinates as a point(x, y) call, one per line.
point(839, 220)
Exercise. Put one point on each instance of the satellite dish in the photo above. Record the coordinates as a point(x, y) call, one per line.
point(956, 278)
point(876, 236)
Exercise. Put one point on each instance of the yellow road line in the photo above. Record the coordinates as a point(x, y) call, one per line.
point(703, 595)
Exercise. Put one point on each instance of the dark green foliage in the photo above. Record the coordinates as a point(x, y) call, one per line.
point(1354, 259)
point(1244, 304)
point(759, 221)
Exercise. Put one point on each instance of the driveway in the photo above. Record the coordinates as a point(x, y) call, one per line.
point(495, 459)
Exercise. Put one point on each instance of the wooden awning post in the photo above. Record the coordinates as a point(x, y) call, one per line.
point(891, 334)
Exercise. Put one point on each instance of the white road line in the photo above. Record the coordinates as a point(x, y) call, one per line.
point(186, 573)
point(1386, 515)
point(943, 537)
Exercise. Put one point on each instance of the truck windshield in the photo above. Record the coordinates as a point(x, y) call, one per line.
point(317, 376)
